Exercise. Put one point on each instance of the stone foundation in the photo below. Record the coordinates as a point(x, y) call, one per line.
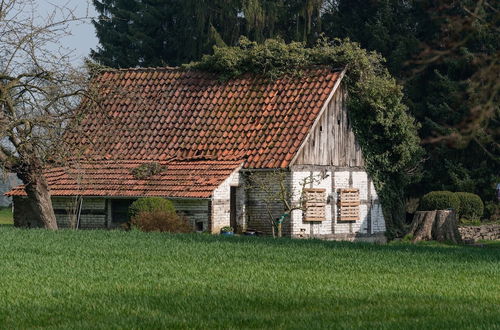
point(484, 232)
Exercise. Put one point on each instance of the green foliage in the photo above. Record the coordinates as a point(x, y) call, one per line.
point(492, 211)
point(151, 33)
point(471, 206)
point(444, 93)
point(386, 132)
point(150, 204)
point(440, 200)
point(117, 279)
point(162, 221)
point(386, 26)
point(147, 170)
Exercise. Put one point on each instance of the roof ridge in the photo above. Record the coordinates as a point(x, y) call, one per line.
point(179, 68)
point(142, 69)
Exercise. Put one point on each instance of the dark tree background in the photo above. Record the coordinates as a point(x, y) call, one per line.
point(445, 52)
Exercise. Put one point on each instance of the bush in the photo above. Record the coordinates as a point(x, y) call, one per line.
point(150, 204)
point(162, 221)
point(492, 211)
point(471, 206)
point(439, 200)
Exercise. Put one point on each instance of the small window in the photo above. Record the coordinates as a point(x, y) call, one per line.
point(314, 204)
point(119, 210)
point(348, 204)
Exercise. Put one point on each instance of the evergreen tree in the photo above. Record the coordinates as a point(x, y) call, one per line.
point(387, 26)
point(171, 32)
point(438, 90)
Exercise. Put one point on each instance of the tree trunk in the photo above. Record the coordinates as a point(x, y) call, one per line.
point(440, 225)
point(37, 189)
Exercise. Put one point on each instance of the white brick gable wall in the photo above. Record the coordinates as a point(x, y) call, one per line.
point(331, 179)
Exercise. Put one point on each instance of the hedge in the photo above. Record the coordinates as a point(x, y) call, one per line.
point(150, 204)
point(471, 206)
point(440, 200)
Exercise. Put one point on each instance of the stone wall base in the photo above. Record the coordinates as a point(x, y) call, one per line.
point(484, 232)
point(373, 238)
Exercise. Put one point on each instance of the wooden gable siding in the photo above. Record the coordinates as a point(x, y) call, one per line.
point(332, 141)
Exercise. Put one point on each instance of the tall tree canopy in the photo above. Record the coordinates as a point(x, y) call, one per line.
point(158, 32)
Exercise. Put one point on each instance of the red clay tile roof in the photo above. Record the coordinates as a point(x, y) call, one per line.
point(201, 127)
point(195, 179)
point(165, 114)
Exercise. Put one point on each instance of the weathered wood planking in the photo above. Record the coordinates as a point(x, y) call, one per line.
point(332, 141)
point(315, 200)
point(348, 204)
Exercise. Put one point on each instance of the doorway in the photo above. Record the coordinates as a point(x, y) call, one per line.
point(232, 207)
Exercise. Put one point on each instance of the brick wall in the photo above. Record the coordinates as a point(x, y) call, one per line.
point(257, 215)
point(331, 179)
point(94, 212)
point(220, 204)
point(195, 209)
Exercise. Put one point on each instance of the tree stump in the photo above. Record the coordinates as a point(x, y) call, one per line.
point(439, 225)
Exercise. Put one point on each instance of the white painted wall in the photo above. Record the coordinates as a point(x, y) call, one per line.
point(331, 182)
point(221, 213)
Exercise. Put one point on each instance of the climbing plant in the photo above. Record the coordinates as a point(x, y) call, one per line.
point(385, 130)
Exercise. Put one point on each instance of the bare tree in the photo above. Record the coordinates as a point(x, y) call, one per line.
point(277, 194)
point(40, 93)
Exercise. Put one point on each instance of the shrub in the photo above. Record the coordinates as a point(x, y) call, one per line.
point(150, 204)
point(439, 200)
point(471, 206)
point(162, 221)
point(492, 211)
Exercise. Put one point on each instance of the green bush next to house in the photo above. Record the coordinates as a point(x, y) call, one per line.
point(161, 221)
point(439, 200)
point(150, 204)
point(471, 206)
point(157, 214)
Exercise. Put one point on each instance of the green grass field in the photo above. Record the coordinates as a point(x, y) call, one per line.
point(113, 279)
point(5, 216)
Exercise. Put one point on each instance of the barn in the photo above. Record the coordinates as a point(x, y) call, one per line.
point(199, 139)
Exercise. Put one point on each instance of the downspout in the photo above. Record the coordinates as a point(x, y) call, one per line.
point(79, 213)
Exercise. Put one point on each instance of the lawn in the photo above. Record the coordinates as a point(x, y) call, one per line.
point(5, 216)
point(114, 279)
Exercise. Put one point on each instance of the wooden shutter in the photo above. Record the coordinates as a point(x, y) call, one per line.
point(315, 202)
point(348, 204)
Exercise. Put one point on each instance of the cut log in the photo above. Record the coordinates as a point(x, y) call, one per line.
point(439, 225)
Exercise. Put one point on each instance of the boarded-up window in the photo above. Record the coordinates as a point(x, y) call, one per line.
point(348, 204)
point(315, 202)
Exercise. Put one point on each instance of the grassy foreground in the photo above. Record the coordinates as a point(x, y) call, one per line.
point(113, 279)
